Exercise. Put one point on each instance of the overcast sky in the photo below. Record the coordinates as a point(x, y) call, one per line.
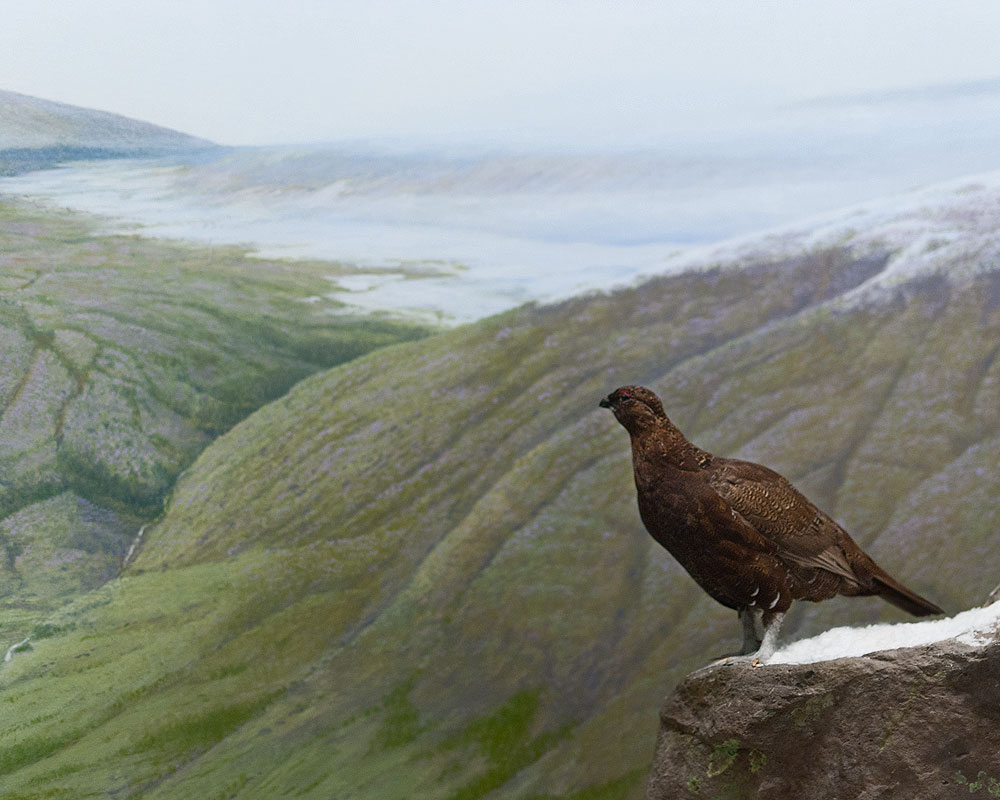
point(259, 71)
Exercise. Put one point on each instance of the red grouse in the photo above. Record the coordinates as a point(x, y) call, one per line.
point(742, 531)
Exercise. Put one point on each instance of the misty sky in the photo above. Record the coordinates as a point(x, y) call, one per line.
point(256, 72)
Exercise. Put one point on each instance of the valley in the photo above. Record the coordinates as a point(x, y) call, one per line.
point(421, 572)
point(387, 555)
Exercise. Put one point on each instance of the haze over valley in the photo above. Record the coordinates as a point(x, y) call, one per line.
point(457, 232)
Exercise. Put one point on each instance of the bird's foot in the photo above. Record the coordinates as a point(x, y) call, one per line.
point(736, 658)
point(749, 658)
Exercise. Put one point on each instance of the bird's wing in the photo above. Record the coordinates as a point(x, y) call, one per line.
point(804, 534)
point(807, 538)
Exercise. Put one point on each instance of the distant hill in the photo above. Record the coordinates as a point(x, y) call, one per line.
point(422, 573)
point(36, 132)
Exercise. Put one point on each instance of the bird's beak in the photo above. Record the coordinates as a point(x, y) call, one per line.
point(605, 403)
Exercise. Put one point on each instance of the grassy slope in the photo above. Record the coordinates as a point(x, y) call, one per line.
point(120, 360)
point(35, 131)
point(37, 135)
point(422, 574)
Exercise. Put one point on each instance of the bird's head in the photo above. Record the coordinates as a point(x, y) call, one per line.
point(635, 407)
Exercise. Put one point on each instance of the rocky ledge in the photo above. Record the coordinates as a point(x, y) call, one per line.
point(917, 722)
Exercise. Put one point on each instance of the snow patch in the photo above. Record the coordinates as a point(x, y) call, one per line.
point(946, 229)
point(975, 627)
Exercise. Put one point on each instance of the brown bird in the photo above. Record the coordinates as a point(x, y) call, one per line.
point(743, 532)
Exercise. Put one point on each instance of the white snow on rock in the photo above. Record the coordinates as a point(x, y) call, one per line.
point(974, 627)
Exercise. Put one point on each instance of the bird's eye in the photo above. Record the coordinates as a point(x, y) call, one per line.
point(626, 395)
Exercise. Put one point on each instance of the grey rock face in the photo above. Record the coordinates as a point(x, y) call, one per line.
point(920, 722)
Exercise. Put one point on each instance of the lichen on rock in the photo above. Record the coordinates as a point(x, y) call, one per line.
point(914, 722)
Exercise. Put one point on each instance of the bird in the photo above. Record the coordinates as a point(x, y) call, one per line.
point(748, 537)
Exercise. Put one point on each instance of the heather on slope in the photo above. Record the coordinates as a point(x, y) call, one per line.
point(122, 358)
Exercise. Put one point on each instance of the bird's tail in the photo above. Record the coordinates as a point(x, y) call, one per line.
point(894, 592)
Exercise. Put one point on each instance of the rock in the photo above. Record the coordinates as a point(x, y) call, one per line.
point(915, 722)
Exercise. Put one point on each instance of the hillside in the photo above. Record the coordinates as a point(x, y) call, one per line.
point(36, 133)
point(122, 359)
point(422, 573)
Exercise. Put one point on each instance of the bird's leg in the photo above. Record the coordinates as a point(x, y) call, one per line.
point(772, 624)
point(751, 642)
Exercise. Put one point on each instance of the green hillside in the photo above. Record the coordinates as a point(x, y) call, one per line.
point(421, 574)
point(37, 133)
point(122, 358)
